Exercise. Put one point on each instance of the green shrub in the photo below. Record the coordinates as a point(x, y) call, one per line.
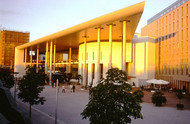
point(158, 98)
point(6, 77)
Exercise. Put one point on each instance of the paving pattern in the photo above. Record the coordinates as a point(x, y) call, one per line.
point(70, 105)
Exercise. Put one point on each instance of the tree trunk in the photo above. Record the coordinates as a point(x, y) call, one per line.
point(30, 110)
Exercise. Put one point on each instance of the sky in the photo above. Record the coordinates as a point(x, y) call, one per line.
point(44, 17)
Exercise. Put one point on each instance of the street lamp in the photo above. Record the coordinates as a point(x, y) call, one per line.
point(56, 75)
point(15, 79)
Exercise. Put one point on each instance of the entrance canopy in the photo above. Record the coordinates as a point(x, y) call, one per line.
point(72, 37)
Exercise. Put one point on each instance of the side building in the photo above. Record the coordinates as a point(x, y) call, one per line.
point(170, 31)
point(8, 41)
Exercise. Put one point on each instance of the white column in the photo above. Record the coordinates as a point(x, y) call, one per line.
point(89, 74)
point(56, 103)
point(84, 63)
point(46, 58)
point(37, 59)
point(97, 69)
point(110, 46)
point(25, 58)
point(122, 53)
point(50, 62)
point(69, 60)
point(134, 58)
point(54, 53)
point(124, 46)
point(25, 54)
point(31, 56)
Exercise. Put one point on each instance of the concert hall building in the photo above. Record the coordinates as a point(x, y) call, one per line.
point(91, 48)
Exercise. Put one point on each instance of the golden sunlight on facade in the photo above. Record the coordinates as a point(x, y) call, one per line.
point(171, 28)
point(142, 66)
point(90, 49)
point(8, 41)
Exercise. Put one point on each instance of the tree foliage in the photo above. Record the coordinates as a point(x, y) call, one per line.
point(139, 95)
point(31, 85)
point(6, 77)
point(111, 101)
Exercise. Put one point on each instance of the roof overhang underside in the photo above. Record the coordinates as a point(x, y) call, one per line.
point(72, 37)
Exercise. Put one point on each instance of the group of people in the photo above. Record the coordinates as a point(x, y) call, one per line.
point(72, 87)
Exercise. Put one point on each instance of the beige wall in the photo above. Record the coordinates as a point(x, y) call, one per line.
point(104, 56)
point(140, 58)
point(143, 65)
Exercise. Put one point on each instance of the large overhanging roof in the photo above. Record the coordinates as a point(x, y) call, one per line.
point(73, 36)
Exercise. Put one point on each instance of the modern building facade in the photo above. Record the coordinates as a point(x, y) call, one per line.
point(170, 30)
point(8, 41)
point(88, 49)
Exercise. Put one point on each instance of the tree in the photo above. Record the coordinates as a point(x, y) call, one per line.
point(111, 101)
point(139, 95)
point(30, 86)
point(6, 77)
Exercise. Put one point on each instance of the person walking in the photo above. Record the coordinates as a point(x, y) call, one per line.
point(73, 88)
point(63, 89)
point(52, 84)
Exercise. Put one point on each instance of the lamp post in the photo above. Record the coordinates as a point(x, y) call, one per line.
point(56, 102)
point(15, 79)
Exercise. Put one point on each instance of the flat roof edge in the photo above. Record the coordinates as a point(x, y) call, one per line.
point(108, 18)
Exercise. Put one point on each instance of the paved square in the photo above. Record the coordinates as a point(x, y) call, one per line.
point(70, 105)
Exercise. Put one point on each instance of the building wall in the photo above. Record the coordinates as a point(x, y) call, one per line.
point(142, 66)
point(172, 40)
point(19, 62)
point(104, 56)
point(8, 41)
point(140, 59)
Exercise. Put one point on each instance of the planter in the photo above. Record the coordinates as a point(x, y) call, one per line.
point(158, 98)
point(180, 106)
point(158, 104)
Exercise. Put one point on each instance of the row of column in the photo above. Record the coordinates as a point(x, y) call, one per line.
point(51, 58)
point(49, 55)
point(97, 68)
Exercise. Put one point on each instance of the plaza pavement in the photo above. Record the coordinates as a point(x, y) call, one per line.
point(70, 105)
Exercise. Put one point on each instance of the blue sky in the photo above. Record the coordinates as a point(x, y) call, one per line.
point(44, 17)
